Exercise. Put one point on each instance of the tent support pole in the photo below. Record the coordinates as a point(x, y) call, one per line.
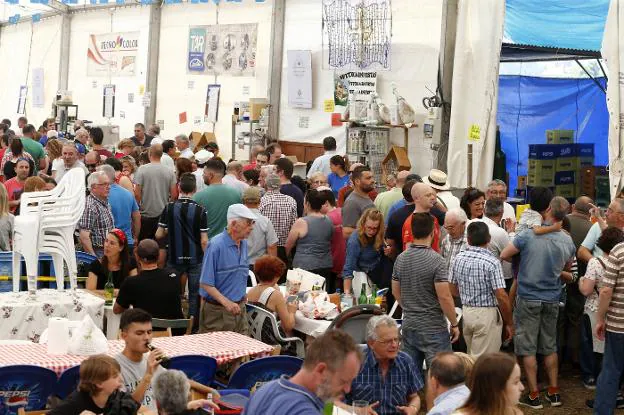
point(275, 66)
point(63, 78)
point(592, 78)
point(153, 49)
point(445, 77)
point(603, 71)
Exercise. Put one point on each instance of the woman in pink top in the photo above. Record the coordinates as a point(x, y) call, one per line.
point(338, 243)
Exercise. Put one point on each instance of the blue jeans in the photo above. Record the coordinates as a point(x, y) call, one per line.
point(590, 365)
point(423, 347)
point(609, 379)
point(193, 273)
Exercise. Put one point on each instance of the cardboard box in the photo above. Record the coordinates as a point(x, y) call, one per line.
point(536, 180)
point(560, 136)
point(565, 178)
point(256, 105)
point(566, 190)
point(543, 151)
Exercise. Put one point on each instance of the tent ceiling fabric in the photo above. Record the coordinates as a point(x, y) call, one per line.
point(568, 24)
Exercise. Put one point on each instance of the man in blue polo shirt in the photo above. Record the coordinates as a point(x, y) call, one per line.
point(331, 363)
point(224, 273)
point(126, 215)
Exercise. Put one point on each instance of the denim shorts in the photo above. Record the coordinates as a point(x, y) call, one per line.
point(536, 327)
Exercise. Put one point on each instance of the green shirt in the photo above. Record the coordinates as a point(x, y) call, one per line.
point(385, 200)
point(216, 199)
point(34, 149)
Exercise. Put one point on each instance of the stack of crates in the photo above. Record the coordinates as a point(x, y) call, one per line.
point(559, 136)
point(558, 166)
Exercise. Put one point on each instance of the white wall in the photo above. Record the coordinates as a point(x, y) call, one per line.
point(175, 97)
point(88, 98)
point(415, 45)
point(14, 54)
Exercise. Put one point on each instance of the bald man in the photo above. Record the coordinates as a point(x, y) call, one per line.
point(424, 199)
point(385, 200)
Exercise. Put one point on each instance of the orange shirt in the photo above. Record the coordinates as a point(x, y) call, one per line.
point(409, 238)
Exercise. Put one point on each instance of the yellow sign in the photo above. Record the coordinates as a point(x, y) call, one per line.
point(329, 105)
point(475, 133)
point(141, 89)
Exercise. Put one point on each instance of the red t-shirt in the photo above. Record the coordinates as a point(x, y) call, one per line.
point(250, 166)
point(14, 189)
point(104, 152)
point(408, 237)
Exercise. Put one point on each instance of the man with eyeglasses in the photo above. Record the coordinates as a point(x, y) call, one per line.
point(97, 219)
point(455, 240)
point(388, 379)
point(497, 190)
point(223, 279)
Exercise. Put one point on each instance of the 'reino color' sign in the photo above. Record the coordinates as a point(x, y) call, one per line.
point(113, 54)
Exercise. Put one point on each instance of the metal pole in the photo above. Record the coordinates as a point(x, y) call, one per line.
point(275, 66)
point(63, 79)
point(445, 78)
point(153, 49)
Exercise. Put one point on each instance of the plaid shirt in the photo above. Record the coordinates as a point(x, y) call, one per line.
point(449, 248)
point(402, 380)
point(98, 219)
point(282, 212)
point(477, 273)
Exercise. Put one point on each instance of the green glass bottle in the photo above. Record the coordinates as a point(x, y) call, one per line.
point(328, 409)
point(363, 299)
point(373, 297)
point(109, 290)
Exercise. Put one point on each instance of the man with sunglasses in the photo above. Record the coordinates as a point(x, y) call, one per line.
point(92, 161)
point(223, 280)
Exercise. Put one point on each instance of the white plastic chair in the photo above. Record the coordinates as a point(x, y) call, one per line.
point(253, 279)
point(256, 316)
point(46, 224)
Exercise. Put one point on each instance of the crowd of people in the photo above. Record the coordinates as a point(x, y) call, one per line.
point(167, 222)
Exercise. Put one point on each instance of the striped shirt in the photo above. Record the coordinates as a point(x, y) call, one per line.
point(477, 273)
point(417, 270)
point(185, 221)
point(402, 380)
point(449, 248)
point(614, 278)
point(281, 210)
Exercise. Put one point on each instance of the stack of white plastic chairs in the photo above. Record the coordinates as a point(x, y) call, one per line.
point(46, 224)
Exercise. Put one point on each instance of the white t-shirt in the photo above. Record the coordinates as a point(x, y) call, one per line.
point(509, 212)
point(499, 239)
point(187, 153)
point(132, 373)
point(232, 181)
point(450, 201)
point(58, 166)
point(167, 161)
point(199, 179)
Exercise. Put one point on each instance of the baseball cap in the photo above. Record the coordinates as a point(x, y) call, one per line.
point(240, 211)
point(203, 156)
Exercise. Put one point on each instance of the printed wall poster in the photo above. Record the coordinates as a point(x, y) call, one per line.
point(113, 54)
point(222, 49)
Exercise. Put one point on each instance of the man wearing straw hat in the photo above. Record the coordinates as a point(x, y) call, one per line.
point(437, 180)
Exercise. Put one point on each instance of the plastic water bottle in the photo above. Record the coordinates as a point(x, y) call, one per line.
point(207, 408)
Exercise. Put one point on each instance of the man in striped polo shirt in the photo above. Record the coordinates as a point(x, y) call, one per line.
point(186, 224)
point(610, 327)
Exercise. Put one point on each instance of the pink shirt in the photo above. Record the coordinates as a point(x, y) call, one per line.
point(14, 189)
point(338, 243)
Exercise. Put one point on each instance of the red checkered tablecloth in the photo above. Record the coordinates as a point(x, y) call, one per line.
point(224, 346)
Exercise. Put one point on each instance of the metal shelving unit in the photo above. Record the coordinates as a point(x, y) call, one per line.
point(369, 146)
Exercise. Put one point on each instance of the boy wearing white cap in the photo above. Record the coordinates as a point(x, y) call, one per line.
point(223, 280)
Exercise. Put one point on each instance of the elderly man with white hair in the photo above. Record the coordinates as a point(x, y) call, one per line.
point(455, 240)
point(497, 190)
point(223, 279)
point(97, 219)
point(388, 379)
point(172, 391)
point(184, 146)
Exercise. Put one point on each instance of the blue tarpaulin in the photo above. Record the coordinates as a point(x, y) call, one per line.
point(572, 24)
point(528, 106)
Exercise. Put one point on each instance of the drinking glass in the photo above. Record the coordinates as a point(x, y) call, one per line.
point(360, 407)
point(32, 286)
